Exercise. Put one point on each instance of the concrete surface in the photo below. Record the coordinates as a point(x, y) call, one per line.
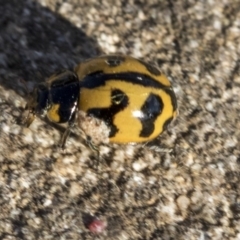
point(183, 185)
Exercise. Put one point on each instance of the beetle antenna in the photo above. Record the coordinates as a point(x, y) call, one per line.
point(25, 87)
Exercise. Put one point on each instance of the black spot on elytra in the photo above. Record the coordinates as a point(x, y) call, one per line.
point(151, 109)
point(119, 102)
point(152, 69)
point(114, 61)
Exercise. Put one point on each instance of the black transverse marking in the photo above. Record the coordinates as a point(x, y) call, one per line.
point(114, 61)
point(152, 69)
point(94, 74)
point(151, 109)
point(99, 78)
point(119, 102)
point(64, 78)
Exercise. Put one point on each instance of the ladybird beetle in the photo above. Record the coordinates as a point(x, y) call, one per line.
point(116, 99)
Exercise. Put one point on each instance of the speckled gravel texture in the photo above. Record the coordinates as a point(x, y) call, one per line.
point(183, 185)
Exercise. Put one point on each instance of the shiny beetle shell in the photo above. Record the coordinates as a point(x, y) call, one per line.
point(132, 98)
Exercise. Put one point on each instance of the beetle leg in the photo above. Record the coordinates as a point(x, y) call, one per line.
point(68, 130)
point(27, 120)
point(93, 148)
point(91, 144)
point(64, 137)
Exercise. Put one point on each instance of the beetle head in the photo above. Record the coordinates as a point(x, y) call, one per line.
point(37, 103)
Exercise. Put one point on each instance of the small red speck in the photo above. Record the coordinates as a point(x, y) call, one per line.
point(97, 226)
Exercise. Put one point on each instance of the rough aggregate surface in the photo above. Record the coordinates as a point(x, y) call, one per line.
point(183, 185)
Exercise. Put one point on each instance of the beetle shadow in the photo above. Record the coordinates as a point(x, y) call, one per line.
point(36, 42)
